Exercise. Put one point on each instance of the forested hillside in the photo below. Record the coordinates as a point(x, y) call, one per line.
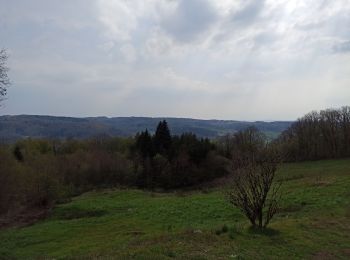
point(17, 127)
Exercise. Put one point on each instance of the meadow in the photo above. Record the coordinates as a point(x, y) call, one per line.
point(313, 223)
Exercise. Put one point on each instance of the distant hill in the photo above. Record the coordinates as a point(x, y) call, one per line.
point(23, 126)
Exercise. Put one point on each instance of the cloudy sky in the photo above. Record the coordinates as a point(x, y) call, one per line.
point(224, 59)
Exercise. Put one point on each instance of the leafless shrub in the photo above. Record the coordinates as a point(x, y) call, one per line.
point(254, 191)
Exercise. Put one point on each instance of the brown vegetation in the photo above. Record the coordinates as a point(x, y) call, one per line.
point(318, 135)
point(254, 164)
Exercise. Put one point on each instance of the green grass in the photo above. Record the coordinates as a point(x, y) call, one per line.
point(314, 222)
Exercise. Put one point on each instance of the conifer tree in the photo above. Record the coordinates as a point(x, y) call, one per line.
point(144, 144)
point(162, 138)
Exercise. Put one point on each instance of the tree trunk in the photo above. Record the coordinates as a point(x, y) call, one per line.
point(260, 216)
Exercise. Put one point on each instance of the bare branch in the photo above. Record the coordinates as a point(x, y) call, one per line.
point(4, 79)
point(253, 190)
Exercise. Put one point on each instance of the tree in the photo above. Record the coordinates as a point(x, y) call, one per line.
point(317, 135)
point(244, 147)
point(254, 163)
point(162, 138)
point(254, 191)
point(4, 80)
point(144, 144)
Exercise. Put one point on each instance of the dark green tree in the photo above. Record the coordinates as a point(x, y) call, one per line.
point(162, 138)
point(144, 144)
point(196, 148)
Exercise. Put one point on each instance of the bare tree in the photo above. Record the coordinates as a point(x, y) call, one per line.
point(318, 135)
point(254, 191)
point(4, 80)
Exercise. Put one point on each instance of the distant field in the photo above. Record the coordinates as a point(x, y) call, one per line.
point(314, 223)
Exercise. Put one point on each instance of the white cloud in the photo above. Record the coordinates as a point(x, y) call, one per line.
point(129, 52)
point(211, 57)
point(118, 17)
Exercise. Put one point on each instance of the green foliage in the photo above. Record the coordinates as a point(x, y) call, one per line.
point(168, 162)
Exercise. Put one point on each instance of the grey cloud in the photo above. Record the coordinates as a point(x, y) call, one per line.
point(190, 19)
point(265, 38)
point(310, 26)
point(343, 47)
point(74, 14)
point(234, 25)
point(249, 13)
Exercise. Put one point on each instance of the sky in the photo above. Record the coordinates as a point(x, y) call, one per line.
point(222, 59)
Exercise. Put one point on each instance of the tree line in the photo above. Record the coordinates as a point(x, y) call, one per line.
point(317, 135)
point(38, 172)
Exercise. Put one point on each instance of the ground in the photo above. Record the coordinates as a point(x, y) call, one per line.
point(314, 223)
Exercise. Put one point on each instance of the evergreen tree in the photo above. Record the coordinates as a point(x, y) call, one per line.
point(162, 138)
point(144, 144)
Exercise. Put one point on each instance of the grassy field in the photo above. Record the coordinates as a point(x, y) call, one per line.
point(314, 223)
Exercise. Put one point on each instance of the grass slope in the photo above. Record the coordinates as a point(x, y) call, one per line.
point(314, 223)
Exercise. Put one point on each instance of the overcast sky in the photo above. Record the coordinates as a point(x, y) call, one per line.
point(224, 59)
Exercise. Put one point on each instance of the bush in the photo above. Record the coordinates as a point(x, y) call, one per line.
point(254, 164)
point(255, 194)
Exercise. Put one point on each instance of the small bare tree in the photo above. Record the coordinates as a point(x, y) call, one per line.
point(4, 80)
point(254, 191)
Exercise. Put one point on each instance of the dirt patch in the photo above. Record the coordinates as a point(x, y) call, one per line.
point(321, 182)
point(292, 177)
point(292, 208)
point(24, 218)
point(326, 223)
point(70, 213)
point(323, 255)
point(346, 253)
point(135, 233)
point(223, 181)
